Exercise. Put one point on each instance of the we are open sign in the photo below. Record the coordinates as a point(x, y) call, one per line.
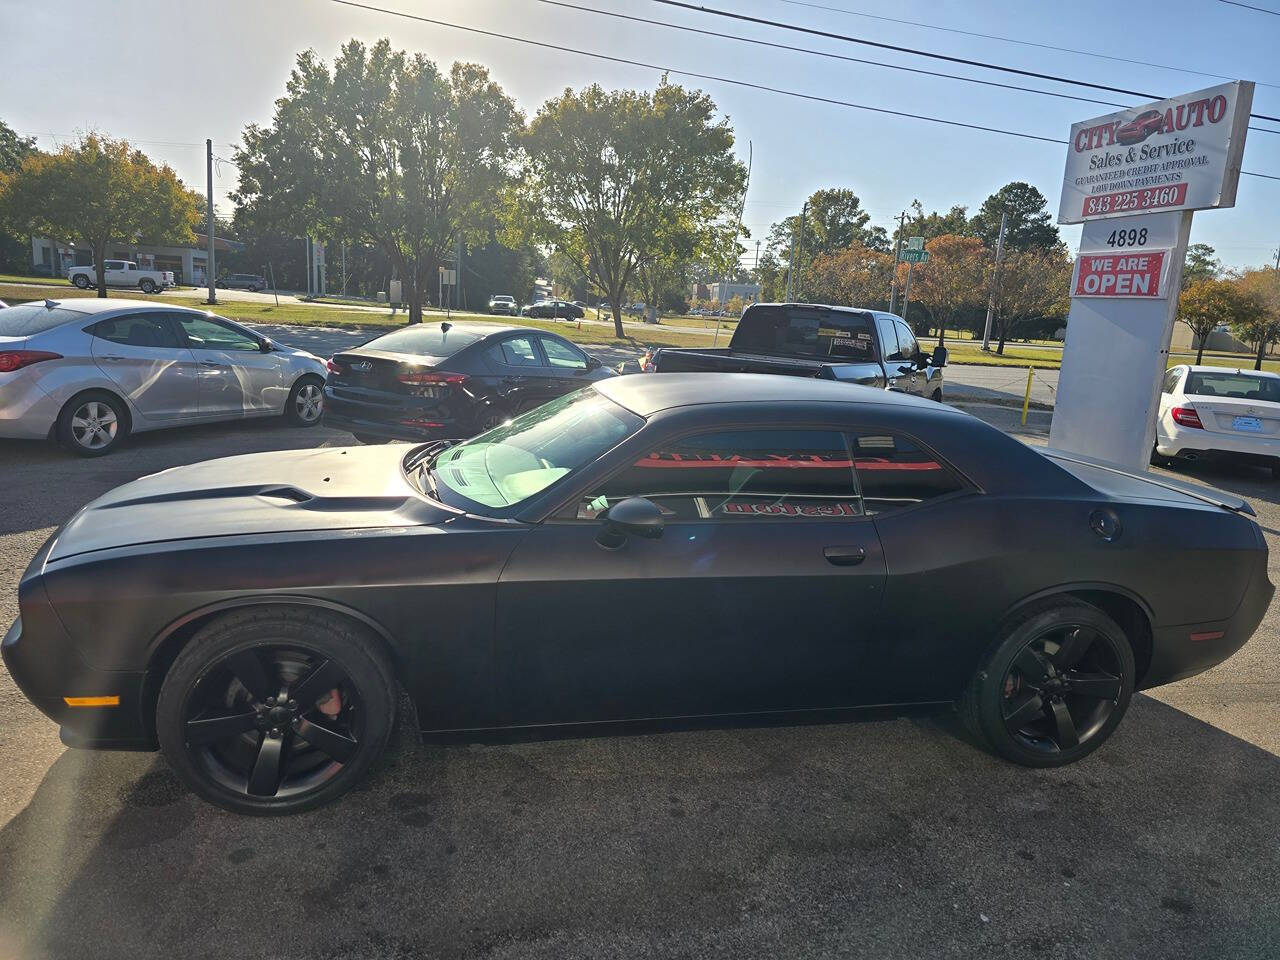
point(1120, 275)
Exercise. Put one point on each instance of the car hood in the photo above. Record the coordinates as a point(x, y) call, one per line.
point(261, 493)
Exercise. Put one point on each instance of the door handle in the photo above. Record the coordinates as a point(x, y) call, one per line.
point(111, 356)
point(210, 363)
point(844, 556)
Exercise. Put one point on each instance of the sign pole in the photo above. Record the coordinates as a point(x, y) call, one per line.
point(906, 290)
point(995, 282)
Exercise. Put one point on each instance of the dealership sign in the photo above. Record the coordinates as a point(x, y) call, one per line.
point(1127, 275)
point(1177, 154)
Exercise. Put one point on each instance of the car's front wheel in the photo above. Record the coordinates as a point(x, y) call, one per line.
point(1055, 686)
point(276, 711)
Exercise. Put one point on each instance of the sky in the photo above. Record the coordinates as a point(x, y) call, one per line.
point(166, 76)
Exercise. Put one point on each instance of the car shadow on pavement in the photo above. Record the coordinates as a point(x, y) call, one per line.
point(886, 838)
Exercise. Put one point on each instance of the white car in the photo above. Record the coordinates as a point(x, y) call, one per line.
point(1219, 413)
point(122, 273)
point(89, 372)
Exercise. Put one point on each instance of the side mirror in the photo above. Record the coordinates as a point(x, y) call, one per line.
point(635, 517)
point(266, 346)
point(593, 363)
point(939, 358)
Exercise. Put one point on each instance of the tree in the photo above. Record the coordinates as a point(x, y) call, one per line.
point(383, 149)
point(952, 279)
point(96, 191)
point(854, 277)
point(14, 250)
point(1256, 311)
point(1204, 304)
point(614, 178)
point(1030, 225)
point(1200, 265)
point(833, 220)
point(1033, 283)
point(954, 222)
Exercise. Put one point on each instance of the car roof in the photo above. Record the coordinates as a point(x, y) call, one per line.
point(1194, 368)
point(647, 393)
point(93, 305)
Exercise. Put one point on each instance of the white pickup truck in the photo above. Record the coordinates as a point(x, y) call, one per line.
point(122, 273)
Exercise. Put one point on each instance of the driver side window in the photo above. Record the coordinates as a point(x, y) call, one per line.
point(784, 475)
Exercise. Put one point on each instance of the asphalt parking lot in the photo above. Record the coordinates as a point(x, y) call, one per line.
point(887, 837)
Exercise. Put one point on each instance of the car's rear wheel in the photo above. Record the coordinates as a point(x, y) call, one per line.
point(81, 281)
point(147, 285)
point(1054, 687)
point(93, 424)
point(306, 402)
point(276, 711)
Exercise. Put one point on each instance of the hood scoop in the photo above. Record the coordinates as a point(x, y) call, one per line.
point(270, 491)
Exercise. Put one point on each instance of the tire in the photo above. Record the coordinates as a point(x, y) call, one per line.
point(81, 281)
point(147, 285)
point(936, 396)
point(1024, 696)
point(1159, 460)
point(93, 423)
point(305, 405)
point(231, 673)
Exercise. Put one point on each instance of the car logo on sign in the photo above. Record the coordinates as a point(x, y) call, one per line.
point(364, 366)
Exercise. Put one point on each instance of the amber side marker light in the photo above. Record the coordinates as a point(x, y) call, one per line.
point(1209, 635)
point(112, 701)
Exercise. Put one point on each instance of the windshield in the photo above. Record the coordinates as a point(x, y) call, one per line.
point(1237, 386)
point(511, 463)
point(432, 340)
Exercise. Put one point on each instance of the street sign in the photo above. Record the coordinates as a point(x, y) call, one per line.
point(914, 256)
point(1177, 154)
point(915, 243)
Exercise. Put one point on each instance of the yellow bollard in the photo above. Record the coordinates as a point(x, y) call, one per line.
point(1026, 400)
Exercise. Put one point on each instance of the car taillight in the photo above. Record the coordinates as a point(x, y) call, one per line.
point(11, 360)
point(425, 379)
point(333, 367)
point(1187, 417)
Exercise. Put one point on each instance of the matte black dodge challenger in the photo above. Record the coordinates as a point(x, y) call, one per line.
point(651, 547)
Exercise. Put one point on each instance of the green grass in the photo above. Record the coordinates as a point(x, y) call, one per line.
point(36, 281)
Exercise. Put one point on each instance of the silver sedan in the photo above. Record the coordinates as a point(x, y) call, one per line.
point(89, 372)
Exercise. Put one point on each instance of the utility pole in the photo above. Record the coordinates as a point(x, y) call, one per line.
point(995, 282)
point(457, 274)
point(756, 269)
point(344, 268)
point(906, 291)
point(897, 252)
point(791, 270)
point(210, 268)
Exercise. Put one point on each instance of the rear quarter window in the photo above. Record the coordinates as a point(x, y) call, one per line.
point(25, 320)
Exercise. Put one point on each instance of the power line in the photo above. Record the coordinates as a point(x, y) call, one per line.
point(827, 54)
point(707, 76)
point(915, 52)
point(689, 73)
point(1249, 6)
point(1025, 43)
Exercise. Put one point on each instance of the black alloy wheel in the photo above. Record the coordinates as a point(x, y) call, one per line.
point(1062, 688)
point(275, 713)
point(1055, 687)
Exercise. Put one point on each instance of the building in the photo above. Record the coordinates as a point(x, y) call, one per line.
point(188, 263)
point(724, 292)
point(700, 291)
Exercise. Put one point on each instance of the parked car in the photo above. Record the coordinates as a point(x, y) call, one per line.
point(810, 546)
point(1140, 127)
point(554, 309)
point(89, 372)
point(868, 347)
point(243, 281)
point(122, 273)
point(1219, 413)
point(446, 380)
point(504, 305)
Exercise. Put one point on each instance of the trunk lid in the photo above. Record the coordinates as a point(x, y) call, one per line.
point(381, 370)
point(1260, 418)
point(1116, 481)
